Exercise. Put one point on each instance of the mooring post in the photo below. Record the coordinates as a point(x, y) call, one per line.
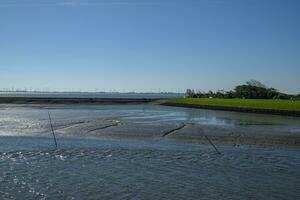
point(54, 138)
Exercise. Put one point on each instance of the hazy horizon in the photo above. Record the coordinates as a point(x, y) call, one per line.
point(97, 90)
point(150, 45)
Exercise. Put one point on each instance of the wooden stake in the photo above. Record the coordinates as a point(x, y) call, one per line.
point(212, 144)
point(54, 138)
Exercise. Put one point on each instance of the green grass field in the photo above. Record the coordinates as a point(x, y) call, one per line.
point(245, 103)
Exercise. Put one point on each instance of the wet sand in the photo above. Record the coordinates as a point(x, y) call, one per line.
point(109, 129)
point(145, 121)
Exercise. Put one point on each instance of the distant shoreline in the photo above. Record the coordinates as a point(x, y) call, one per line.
point(98, 95)
point(157, 101)
point(55, 100)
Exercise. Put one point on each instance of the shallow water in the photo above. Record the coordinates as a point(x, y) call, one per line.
point(93, 169)
point(89, 166)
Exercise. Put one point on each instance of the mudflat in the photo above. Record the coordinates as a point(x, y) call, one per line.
point(148, 121)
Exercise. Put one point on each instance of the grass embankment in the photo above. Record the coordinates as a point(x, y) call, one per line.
point(242, 103)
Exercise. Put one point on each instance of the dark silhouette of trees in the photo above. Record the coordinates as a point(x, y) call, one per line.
point(256, 83)
point(251, 90)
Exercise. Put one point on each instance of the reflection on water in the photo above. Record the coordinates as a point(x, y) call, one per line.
point(84, 169)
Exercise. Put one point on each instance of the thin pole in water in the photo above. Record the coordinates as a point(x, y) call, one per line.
point(212, 144)
point(54, 138)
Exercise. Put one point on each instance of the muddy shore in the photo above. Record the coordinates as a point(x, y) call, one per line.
point(147, 121)
point(107, 101)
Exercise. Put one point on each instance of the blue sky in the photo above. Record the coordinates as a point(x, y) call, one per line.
point(150, 45)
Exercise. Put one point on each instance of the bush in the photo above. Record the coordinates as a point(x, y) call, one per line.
point(251, 90)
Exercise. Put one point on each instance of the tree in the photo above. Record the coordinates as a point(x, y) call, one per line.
point(190, 93)
point(255, 83)
point(255, 90)
point(250, 90)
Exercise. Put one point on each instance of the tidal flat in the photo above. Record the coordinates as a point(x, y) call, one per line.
point(146, 151)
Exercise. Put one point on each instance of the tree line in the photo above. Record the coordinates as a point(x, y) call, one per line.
point(250, 90)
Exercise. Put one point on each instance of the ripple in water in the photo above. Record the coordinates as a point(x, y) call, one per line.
point(147, 171)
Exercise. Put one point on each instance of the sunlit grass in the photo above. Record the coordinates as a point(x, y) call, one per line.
point(245, 103)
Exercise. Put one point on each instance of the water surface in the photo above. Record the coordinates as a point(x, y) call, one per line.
point(116, 163)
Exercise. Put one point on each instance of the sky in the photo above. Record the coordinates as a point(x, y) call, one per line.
point(149, 45)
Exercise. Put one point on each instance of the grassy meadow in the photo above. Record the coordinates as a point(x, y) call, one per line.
point(244, 103)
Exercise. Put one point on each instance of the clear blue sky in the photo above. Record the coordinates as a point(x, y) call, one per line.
point(149, 45)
